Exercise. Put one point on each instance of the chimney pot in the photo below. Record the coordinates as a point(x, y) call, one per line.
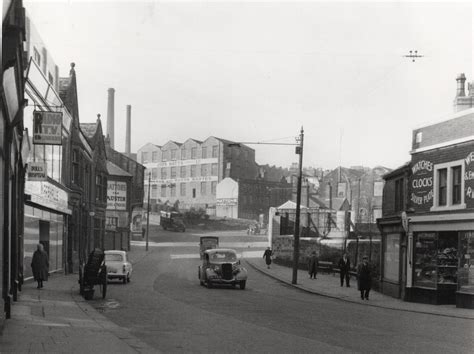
point(127, 130)
point(461, 79)
point(110, 116)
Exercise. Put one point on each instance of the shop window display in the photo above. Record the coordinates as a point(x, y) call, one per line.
point(466, 262)
point(436, 259)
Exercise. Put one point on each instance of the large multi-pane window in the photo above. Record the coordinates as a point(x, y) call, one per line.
point(154, 156)
point(193, 170)
point(193, 152)
point(173, 172)
point(163, 190)
point(173, 154)
point(173, 190)
point(204, 170)
point(442, 186)
point(154, 173)
point(215, 150)
point(204, 152)
point(456, 178)
point(163, 173)
point(144, 157)
point(182, 171)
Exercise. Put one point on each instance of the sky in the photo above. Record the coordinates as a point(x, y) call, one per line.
point(260, 71)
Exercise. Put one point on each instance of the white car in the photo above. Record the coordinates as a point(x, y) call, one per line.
point(118, 266)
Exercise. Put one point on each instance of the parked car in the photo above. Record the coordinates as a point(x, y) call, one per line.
point(118, 266)
point(172, 221)
point(221, 266)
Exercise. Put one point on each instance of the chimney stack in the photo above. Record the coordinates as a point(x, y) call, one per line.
point(110, 116)
point(127, 130)
point(461, 79)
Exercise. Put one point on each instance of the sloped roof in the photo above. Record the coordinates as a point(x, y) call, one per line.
point(290, 205)
point(337, 203)
point(114, 170)
point(318, 202)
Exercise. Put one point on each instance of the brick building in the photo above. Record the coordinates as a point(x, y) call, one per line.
point(428, 217)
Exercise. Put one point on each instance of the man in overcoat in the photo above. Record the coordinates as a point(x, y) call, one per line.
point(364, 277)
point(40, 265)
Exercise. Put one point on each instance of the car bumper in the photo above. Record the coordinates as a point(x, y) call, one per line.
point(116, 276)
point(226, 281)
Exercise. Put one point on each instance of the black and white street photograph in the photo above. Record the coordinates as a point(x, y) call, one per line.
point(237, 176)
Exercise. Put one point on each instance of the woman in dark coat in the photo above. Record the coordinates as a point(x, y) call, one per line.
point(364, 277)
point(40, 265)
point(268, 257)
point(313, 265)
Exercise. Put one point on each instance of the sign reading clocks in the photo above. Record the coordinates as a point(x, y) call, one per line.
point(422, 182)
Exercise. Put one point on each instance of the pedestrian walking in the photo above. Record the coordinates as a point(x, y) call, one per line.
point(313, 265)
point(364, 276)
point(268, 256)
point(40, 265)
point(344, 268)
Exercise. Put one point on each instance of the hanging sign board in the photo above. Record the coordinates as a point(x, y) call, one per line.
point(36, 171)
point(47, 128)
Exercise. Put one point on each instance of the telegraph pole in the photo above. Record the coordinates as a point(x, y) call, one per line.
point(148, 211)
point(296, 244)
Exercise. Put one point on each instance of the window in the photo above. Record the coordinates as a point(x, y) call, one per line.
point(154, 191)
point(182, 171)
point(144, 157)
point(214, 169)
point(203, 188)
point(193, 170)
point(183, 154)
point(418, 137)
point(173, 172)
point(154, 173)
point(163, 173)
point(456, 193)
point(399, 193)
point(182, 189)
point(154, 156)
point(164, 155)
point(75, 167)
point(194, 192)
point(112, 221)
point(193, 152)
point(204, 152)
point(163, 190)
point(448, 186)
point(173, 190)
point(50, 78)
point(173, 154)
point(203, 170)
point(213, 187)
point(215, 151)
point(37, 56)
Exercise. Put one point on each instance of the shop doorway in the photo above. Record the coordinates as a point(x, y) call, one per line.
point(44, 234)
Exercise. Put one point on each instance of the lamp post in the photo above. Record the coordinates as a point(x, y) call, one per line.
point(296, 245)
point(148, 212)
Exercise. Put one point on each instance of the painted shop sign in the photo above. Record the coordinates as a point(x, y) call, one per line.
point(184, 179)
point(36, 171)
point(47, 128)
point(422, 182)
point(48, 195)
point(469, 175)
point(226, 201)
point(188, 162)
point(116, 195)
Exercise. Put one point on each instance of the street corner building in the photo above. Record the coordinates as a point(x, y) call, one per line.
point(428, 213)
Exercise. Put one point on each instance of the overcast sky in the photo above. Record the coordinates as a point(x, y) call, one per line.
point(258, 71)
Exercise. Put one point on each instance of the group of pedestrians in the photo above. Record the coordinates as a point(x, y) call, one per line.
point(364, 271)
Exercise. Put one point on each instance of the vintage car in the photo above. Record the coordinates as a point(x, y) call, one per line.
point(118, 266)
point(221, 266)
point(206, 243)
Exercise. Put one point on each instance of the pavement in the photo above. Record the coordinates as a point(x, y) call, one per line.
point(329, 285)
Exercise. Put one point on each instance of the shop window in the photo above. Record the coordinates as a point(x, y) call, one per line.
point(466, 262)
point(182, 189)
point(436, 259)
point(448, 185)
point(182, 172)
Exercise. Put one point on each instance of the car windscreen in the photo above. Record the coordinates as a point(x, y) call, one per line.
point(113, 257)
point(223, 257)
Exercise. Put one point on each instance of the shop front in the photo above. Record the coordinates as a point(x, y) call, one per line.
point(45, 222)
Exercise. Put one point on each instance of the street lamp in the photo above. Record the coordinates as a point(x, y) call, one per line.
point(298, 151)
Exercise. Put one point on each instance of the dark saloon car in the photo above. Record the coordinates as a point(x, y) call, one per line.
point(221, 266)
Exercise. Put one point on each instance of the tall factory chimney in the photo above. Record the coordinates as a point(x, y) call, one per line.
point(127, 130)
point(110, 116)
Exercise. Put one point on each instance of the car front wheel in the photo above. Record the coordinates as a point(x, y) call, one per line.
point(242, 284)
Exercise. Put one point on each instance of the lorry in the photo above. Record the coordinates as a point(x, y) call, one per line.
point(172, 220)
